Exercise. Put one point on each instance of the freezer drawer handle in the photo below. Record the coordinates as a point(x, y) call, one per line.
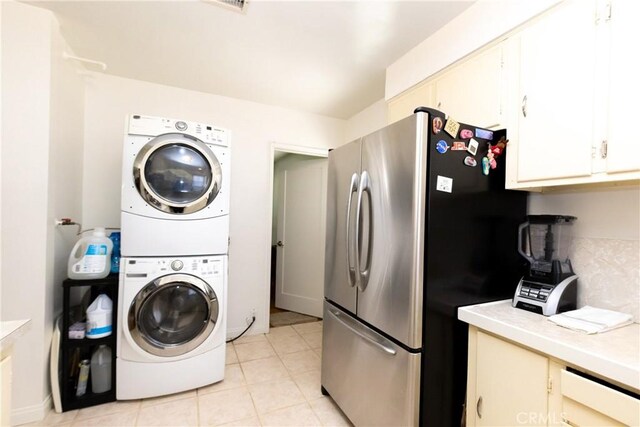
point(353, 188)
point(365, 187)
point(340, 318)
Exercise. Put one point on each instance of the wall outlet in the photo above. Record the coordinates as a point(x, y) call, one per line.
point(249, 319)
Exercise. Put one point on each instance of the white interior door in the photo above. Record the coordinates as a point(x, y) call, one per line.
point(300, 235)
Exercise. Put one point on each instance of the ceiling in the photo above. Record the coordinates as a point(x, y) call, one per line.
point(322, 57)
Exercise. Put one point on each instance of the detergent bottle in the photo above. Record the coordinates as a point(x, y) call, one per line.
point(91, 257)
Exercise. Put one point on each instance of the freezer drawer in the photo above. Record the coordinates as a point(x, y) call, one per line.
point(374, 381)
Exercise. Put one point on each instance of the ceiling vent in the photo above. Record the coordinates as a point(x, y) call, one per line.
point(237, 5)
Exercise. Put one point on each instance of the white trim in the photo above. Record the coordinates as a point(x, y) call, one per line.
point(295, 149)
point(30, 414)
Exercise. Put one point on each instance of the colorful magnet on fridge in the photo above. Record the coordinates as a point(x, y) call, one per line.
point(473, 146)
point(442, 146)
point(436, 125)
point(466, 134)
point(470, 161)
point(452, 127)
point(458, 146)
point(484, 134)
point(485, 166)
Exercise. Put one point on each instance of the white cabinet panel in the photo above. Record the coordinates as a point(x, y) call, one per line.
point(404, 105)
point(511, 384)
point(472, 92)
point(557, 66)
point(622, 147)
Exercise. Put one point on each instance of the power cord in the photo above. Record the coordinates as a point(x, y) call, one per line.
point(242, 333)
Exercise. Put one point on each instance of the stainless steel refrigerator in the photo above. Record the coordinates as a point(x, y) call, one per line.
point(414, 231)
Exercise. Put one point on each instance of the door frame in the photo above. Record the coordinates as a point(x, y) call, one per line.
point(291, 149)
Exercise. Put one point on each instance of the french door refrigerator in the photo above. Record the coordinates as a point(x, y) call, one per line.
point(414, 231)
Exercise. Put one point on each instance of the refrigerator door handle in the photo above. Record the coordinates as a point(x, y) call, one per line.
point(354, 327)
point(353, 188)
point(365, 187)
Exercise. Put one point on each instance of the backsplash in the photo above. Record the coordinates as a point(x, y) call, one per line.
point(609, 273)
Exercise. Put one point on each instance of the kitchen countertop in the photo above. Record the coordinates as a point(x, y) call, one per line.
point(614, 354)
point(10, 331)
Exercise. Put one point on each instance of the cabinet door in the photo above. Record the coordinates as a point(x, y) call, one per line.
point(404, 105)
point(557, 65)
point(622, 148)
point(472, 91)
point(511, 384)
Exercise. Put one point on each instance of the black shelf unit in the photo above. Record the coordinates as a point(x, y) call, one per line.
point(84, 347)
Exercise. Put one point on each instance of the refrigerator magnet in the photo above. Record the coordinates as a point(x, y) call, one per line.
point(458, 146)
point(442, 146)
point(485, 166)
point(444, 184)
point(473, 146)
point(452, 127)
point(484, 134)
point(470, 161)
point(436, 125)
point(466, 134)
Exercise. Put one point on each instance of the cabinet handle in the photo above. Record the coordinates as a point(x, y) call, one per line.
point(524, 106)
point(479, 407)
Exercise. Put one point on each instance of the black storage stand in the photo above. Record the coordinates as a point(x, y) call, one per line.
point(74, 350)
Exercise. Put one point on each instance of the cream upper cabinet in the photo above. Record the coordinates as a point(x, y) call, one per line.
point(404, 105)
point(507, 384)
point(472, 92)
point(556, 94)
point(622, 27)
point(576, 87)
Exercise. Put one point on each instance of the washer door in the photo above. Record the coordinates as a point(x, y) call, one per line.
point(177, 173)
point(173, 315)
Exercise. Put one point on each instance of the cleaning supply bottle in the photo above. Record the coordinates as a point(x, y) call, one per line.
point(101, 369)
point(99, 317)
point(115, 253)
point(90, 258)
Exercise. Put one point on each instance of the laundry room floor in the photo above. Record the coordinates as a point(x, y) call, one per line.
point(270, 380)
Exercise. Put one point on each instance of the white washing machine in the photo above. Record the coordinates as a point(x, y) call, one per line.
point(171, 325)
point(175, 188)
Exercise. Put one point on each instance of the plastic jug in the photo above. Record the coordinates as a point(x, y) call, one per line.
point(101, 369)
point(90, 258)
point(115, 253)
point(99, 317)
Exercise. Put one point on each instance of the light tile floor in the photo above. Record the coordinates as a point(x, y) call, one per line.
point(270, 380)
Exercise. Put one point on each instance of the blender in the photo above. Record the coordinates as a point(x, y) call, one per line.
point(550, 285)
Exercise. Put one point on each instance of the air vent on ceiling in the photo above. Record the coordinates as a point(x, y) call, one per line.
point(237, 5)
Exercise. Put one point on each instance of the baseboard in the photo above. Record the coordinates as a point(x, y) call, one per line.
point(30, 414)
point(254, 330)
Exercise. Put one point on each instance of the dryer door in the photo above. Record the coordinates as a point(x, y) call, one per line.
point(173, 315)
point(177, 174)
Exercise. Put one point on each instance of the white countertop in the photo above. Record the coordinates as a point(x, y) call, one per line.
point(614, 354)
point(11, 330)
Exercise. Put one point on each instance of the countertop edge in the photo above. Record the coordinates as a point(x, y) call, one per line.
point(10, 331)
point(620, 372)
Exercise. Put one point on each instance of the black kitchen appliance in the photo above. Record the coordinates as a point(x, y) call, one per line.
point(550, 285)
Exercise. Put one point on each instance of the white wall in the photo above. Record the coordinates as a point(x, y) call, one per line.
point(254, 127)
point(41, 133)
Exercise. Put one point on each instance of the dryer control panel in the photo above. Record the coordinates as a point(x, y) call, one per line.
point(154, 126)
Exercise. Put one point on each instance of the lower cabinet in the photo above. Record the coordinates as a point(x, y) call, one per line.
point(509, 385)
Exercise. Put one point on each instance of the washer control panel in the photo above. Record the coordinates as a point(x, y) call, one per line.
point(154, 126)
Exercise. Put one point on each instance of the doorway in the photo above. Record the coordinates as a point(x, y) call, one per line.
point(298, 234)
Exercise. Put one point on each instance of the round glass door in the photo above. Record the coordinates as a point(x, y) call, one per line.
point(173, 315)
point(178, 174)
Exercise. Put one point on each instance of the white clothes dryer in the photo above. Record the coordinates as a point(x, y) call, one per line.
point(175, 188)
point(171, 325)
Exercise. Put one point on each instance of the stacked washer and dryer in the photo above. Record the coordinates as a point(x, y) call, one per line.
point(173, 271)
